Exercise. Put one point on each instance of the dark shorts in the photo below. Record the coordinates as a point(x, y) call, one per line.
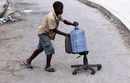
point(45, 44)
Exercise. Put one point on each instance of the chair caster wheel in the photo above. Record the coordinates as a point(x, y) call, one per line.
point(93, 73)
point(74, 73)
point(99, 67)
point(85, 68)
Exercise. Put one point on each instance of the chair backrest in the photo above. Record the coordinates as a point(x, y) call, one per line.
point(68, 48)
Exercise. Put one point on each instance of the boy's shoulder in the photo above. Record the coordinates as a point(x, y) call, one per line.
point(50, 16)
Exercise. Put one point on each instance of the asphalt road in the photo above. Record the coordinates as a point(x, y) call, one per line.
point(106, 45)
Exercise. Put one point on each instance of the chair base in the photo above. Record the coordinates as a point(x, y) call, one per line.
point(85, 66)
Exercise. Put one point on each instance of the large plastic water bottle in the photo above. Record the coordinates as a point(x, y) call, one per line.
point(78, 40)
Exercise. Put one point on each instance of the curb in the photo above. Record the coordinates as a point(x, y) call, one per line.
point(108, 15)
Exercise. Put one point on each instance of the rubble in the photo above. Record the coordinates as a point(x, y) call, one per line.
point(8, 14)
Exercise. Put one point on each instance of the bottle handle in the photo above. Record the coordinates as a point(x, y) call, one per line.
point(76, 28)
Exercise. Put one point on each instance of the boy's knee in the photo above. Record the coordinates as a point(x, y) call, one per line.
point(40, 49)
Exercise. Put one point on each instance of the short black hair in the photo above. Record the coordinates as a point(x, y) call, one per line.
point(58, 5)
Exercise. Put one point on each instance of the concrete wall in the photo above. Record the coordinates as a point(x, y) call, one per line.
point(120, 8)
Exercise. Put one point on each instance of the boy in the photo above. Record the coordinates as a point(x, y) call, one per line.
point(47, 32)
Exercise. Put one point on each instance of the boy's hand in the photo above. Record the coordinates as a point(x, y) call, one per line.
point(75, 23)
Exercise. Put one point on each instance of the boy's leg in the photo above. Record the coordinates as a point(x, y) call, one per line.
point(46, 44)
point(48, 64)
point(48, 60)
point(33, 56)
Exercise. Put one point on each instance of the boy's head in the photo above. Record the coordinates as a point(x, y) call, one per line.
point(58, 7)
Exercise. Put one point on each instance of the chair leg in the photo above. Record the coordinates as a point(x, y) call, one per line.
point(92, 70)
point(85, 60)
point(78, 65)
point(98, 66)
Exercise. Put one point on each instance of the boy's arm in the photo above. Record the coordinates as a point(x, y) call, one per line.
point(70, 23)
point(59, 32)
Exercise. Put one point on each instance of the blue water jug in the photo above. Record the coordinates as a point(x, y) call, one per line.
point(78, 40)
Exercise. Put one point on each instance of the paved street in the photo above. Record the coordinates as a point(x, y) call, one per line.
point(106, 45)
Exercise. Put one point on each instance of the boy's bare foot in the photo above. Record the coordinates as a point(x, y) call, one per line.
point(29, 66)
point(49, 69)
